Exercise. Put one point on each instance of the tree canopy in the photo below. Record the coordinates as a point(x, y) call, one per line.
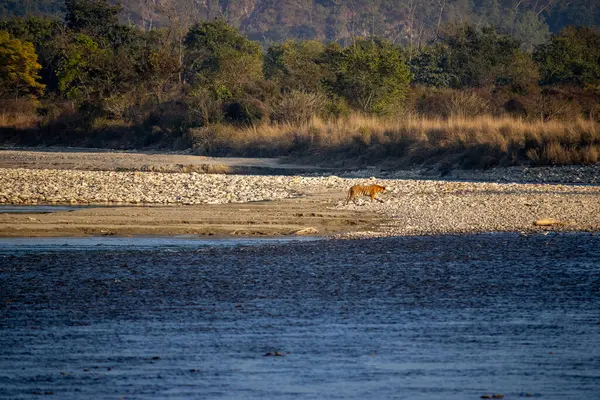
point(219, 56)
point(19, 68)
point(296, 65)
point(371, 75)
point(572, 56)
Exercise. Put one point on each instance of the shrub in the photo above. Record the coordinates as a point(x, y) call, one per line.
point(298, 107)
point(169, 116)
point(19, 113)
point(203, 109)
point(214, 140)
point(246, 111)
point(465, 104)
point(446, 103)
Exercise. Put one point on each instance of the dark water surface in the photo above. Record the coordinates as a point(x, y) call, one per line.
point(38, 245)
point(40, 208)
point(450, 317)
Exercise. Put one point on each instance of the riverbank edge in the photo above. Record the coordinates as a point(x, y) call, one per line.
point(287, 202)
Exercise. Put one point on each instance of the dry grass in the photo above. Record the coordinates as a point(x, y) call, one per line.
point(458, 141)
point(478, 142)
point(19, 114)
point(18, 121)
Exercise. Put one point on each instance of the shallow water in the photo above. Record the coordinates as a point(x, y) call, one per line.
point(159, 243)
point(450, 317)
point(39, 208)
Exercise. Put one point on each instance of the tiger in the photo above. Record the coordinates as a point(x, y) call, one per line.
point(360, 190)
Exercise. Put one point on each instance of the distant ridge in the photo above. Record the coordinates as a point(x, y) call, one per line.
point(400, 21)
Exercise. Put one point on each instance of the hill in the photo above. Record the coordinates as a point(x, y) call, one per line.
point(410, 22)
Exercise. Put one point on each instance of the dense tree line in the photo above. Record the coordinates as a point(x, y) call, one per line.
point(181, 76)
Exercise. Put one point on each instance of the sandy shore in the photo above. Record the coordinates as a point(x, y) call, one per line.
point(280, 218)
point(109, 160)
point(159, 203)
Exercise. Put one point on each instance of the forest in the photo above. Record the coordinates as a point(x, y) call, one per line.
point(472, 84)
point(408, 22)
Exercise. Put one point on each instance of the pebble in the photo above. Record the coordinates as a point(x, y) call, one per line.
point(409, 207)
point(30, 186)
point(586, 174)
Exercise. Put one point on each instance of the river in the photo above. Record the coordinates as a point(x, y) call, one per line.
point(446, 317)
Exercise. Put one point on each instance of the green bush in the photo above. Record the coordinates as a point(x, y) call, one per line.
point(371, 75)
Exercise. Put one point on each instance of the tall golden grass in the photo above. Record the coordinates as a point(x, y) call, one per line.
point(19, 113)
point(476, 142)
point(459, 141)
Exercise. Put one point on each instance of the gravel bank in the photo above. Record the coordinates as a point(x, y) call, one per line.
point(577, 174)
point(411, 207)
point(445, 207)
point(33, 186)
point(111, 160)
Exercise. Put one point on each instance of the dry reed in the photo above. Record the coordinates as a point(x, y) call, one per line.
point(19, 114)
point(477, 142)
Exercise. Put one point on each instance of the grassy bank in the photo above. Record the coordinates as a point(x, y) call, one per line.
point(409, 140)
point(478, 142)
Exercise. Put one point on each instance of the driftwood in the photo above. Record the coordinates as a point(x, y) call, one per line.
point(306, 231)
point(547, 222)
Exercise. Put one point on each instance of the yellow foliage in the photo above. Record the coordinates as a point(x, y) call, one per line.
point(19, 68)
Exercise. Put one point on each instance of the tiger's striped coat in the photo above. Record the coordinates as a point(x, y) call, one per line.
point(361, 190)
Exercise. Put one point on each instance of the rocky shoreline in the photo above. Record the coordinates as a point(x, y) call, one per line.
point(450, 207)
point(186, 162)
point(564, 174)
point(41, 186)
point(410, 207)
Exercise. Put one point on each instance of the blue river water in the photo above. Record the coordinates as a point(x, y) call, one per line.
point(102, 243)
point(446, 317)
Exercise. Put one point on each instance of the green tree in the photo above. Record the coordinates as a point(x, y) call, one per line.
point(99, 20)
point(38, 30)
point(371, 75)
point(94, 17)
point(76, 63)
point(156, 65)
point(296, 65)
point(571, 57)
point(86, 72)
point(219, 57)
point(19, 68)
point(430, 67)
point(479, 58)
